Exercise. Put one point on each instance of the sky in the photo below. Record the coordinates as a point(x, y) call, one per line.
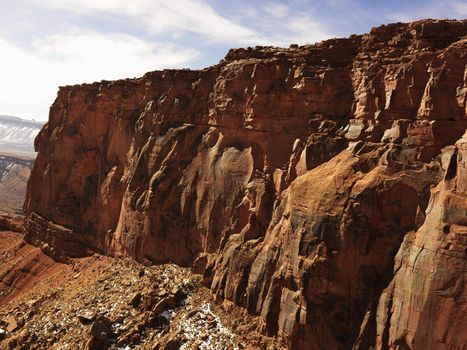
point(45, 44)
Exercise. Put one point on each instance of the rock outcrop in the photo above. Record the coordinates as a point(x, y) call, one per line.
point(322, 188)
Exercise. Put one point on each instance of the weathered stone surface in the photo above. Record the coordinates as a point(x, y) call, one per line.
point(424, 307)
point(319, 187)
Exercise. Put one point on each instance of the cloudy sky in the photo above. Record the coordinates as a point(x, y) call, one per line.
point(48, 43)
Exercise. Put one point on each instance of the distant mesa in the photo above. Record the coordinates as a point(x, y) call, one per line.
point(17, 135)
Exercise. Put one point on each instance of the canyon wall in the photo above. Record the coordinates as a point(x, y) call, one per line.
point(320, 187)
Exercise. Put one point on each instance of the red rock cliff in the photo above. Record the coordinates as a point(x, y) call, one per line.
point(323, 188)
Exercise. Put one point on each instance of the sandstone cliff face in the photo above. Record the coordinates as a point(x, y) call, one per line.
point(319, 187)
point(424, 304)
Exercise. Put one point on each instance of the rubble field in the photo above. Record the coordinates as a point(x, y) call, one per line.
point(100, 302)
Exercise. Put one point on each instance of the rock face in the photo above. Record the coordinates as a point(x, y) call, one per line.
point(323, 188)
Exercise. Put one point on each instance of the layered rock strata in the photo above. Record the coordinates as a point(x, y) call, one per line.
point(322, 188)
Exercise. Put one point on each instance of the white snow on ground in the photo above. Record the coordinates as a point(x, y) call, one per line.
point(204, 325)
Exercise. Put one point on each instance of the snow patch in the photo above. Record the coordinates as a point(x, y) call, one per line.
point(203, 325)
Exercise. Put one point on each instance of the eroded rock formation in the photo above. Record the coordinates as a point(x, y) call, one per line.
point(322, 188)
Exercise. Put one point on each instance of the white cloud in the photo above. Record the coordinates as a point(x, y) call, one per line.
point(30, 78)
point(398, 17)
point(109, 55)
point(160, 16)
point(460, 7)
point(277, 10)
point(304, 29)
point(435, 9)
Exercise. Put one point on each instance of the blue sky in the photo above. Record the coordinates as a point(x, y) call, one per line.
point(48, 43)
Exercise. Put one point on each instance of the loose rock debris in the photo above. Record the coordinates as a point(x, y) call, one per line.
point(100, 302)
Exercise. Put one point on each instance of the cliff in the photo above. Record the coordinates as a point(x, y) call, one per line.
point(321, 188)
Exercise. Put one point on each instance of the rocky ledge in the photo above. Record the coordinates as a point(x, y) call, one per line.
point(322, 188)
